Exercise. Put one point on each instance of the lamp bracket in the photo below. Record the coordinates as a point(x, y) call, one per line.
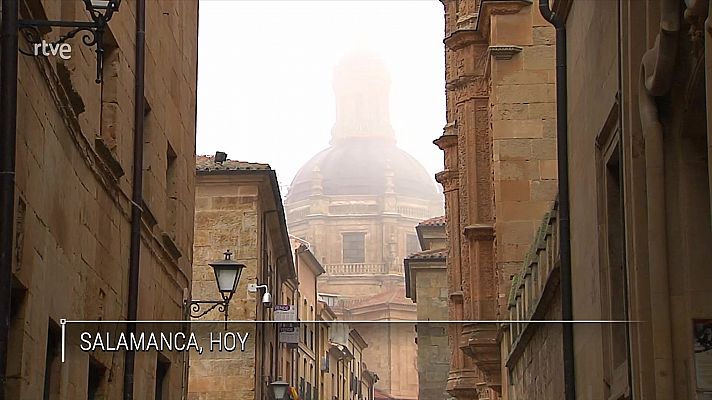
point(93, 35)
point(253, 287)
point(197, 309)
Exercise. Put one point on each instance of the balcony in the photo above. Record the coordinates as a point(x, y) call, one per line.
point(356, 269)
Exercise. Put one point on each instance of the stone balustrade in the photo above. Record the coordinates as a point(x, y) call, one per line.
point(356, 269)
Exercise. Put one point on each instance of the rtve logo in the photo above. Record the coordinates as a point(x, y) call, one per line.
point(64, 50)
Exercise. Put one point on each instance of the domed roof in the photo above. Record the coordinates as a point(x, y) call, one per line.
point(362, 167)
point(363, 158)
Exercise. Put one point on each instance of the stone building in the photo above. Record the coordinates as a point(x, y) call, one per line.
point(73, 201)
point(238, 207)
point(426, 275)
point(343, 371)
point(307, 356)
point(639, 137)
point(357, 203)
point(500, 171)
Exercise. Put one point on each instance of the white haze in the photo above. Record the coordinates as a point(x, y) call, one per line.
point(264, 80)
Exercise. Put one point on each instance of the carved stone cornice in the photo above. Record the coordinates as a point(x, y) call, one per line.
point(462, 37)
point(479, 342)
point(504, 52)
point(449, 179)
point(450, 128)
point(497, 7)
point(446, 141)
point(463, 384)
point(479, 232)
point(456, 297)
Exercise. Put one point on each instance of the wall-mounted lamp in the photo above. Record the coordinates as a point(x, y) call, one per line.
point(266, 298)
point(227, 275)
point(100, 11)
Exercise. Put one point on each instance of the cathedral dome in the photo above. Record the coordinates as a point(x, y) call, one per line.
point(363, 158)
point(363, 167)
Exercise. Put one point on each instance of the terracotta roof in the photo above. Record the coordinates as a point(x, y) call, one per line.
point(207, 163)
point(432, 254)
point(436, 221)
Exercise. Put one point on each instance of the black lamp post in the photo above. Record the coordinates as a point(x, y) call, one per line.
point(227, 275)
point(100, 11)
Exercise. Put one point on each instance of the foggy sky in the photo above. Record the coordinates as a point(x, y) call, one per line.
point(265, 75)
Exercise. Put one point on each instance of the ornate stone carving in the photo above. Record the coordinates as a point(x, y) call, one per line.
point(446, 141)
point(479, 232)
point(479, 341)
point(504, 52)
point(449, 179)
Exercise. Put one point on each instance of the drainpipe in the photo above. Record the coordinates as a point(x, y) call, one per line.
point(8, 134)
point(656, 72)
point(295, 375)
point(562, 155)
point(137, 196)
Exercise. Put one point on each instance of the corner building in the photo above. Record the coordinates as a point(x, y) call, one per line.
point(357, 204)
point(238, 208)
point(500, 172)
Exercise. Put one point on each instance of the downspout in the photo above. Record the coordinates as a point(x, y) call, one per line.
point(293, 372)
point(8, 134)
point(137, 196)
point(562, 154)
point(656, 72)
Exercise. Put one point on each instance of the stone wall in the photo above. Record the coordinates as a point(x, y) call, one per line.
point(432, 339)
point(659, 133)
point(73, 190)
point(523, 134)
point(538, 372)
point(587, 119)
point(226, 218)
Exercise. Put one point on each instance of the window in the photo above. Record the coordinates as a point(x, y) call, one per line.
point(354, 247)
point(52, 363)
point(162, 367)
point(95, 384)
point(614, 300)
point(411, 244)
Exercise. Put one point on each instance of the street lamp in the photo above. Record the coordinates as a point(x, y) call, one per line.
point(279, 388)
point(100, 11)
point(227, 275)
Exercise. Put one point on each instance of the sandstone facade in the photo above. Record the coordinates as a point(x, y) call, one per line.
point(500, 171)
point(638, 151)
point(639, 135)
point(426, 285)
point(238, 208)
point(73, 191)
